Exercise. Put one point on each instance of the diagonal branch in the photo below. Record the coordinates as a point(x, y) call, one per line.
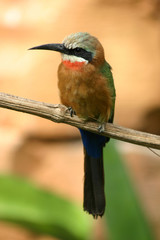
point(57, 113)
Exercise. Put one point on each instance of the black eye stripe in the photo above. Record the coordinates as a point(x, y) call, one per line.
point(80, 52)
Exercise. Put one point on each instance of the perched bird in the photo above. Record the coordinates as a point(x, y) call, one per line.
point(87, 88)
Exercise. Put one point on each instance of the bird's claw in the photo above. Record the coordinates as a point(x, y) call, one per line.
point(101, 128)
point(71, 111)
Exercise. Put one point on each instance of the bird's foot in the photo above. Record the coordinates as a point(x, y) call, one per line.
point(71, 111)
point(101, 127)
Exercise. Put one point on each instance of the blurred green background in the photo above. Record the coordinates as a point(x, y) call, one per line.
point(41, 163)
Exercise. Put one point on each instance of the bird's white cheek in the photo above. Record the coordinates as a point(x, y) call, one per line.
point(73, 59)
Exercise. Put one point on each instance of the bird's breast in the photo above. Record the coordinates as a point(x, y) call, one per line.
point(85, 91)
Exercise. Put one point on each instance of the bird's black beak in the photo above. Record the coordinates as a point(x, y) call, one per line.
point(51, 46)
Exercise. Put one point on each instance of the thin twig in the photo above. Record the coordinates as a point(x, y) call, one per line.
point(58, 113)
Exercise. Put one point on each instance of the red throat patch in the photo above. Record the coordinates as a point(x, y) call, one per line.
point(73, 65)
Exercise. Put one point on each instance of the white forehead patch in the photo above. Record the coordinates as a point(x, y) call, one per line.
point(73, 58)
point(80, 39)
point(71, 45)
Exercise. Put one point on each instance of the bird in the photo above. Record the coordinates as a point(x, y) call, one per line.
point(86, 87)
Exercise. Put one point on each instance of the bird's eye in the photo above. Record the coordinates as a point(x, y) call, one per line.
point(78, 49)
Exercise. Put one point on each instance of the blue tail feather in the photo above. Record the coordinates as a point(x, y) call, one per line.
point(93, 143)
point(94, 196)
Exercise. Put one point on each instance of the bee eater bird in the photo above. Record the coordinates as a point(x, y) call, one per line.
point(87, 88)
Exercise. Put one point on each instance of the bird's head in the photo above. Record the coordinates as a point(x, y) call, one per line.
point(78, 47)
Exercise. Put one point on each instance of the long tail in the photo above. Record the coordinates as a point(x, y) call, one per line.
point(94, 197)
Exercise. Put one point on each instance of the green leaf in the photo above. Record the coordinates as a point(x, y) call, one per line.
point(40, 211)
point(125, 217)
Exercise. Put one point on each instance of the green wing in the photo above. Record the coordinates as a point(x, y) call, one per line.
point(106, 71)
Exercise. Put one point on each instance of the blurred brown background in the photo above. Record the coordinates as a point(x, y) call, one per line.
point(45, 152)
